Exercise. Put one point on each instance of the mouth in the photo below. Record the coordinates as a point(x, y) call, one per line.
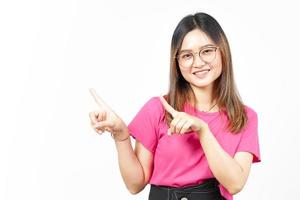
point(203, 71)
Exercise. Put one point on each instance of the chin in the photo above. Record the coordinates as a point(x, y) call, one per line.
point(201, 83)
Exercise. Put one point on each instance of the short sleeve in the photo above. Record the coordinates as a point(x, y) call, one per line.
point(144, 126)
point(249, 140)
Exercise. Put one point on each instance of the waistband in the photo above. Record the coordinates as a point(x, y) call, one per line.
point(207, 190)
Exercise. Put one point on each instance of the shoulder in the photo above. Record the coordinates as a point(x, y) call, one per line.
point(251, 113)
point(154, 105)
point(252, 119)
point(154, 101)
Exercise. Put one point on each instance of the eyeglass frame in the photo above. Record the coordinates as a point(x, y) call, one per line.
point(198, 53)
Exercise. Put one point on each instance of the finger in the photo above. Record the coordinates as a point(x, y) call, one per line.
point(173, 125)
point(102, 116)
point(93, 116)
point(108, 129)
point(104, 125)
point(186, 127)
point(98, 99)
point(100, 131)
point(179, 126)
point(167, 106)
point(169, 132)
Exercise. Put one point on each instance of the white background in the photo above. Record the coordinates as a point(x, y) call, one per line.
point(52, 52)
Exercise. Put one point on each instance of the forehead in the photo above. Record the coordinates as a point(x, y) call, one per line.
point(195, 39)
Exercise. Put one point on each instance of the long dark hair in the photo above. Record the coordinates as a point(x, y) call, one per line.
point(224, 89)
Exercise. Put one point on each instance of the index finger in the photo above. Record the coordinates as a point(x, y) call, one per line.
point(168, 107)
point(98, 99)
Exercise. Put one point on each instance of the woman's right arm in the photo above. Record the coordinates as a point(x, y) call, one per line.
point(135, 165)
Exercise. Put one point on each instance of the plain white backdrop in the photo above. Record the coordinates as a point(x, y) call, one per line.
point(52, 52)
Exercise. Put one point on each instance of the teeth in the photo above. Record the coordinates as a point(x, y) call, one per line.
point(201, 71)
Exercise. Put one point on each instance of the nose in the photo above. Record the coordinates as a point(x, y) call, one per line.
point(197, 61)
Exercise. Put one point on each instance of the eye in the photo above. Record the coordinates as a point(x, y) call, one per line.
point(186, 56)
point(207, 51)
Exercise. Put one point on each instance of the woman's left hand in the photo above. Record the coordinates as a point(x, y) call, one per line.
point(182, 122)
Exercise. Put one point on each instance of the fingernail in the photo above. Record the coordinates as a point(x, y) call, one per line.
point(169, 132)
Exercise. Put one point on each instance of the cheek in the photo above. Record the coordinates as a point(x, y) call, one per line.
point(185, 73)
point(217, 65)
point(218, 69)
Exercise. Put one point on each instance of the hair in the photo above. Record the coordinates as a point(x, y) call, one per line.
point(224, 89)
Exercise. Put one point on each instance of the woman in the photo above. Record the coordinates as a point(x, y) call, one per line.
point(199, 140)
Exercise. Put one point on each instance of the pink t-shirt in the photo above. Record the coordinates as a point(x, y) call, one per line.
point(179, 160)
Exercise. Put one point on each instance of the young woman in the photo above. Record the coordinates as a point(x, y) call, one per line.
point(199, 140)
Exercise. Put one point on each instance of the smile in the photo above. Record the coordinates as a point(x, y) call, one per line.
point(201, 72)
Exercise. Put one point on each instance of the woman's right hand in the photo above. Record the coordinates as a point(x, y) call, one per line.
point(105, 119)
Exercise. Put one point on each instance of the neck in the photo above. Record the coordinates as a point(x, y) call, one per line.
point(204, 100)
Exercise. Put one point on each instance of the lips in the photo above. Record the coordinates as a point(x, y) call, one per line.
point(201, 71)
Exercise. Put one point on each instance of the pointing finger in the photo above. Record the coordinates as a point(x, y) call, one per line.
point(167, 106)
point(98, 99)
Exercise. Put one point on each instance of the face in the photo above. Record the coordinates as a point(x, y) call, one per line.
point(198, 72)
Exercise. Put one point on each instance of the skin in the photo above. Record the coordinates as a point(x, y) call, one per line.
point(136, 164)
point(202, 87)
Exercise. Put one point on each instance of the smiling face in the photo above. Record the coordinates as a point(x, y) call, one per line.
point(200, 74)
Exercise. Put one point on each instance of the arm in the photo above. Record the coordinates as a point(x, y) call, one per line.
point(135, 165)
point(232, 173)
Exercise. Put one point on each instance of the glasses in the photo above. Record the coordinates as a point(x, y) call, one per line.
point(206, 54)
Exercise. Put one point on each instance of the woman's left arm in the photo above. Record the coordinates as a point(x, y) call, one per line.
point(232, 173)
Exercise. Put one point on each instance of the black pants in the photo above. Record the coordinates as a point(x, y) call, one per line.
point(207, 190)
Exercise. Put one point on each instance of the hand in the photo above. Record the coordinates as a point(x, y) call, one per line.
point(105, 119)
point(183, 122)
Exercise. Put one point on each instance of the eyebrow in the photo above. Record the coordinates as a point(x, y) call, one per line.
point(207, 45)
